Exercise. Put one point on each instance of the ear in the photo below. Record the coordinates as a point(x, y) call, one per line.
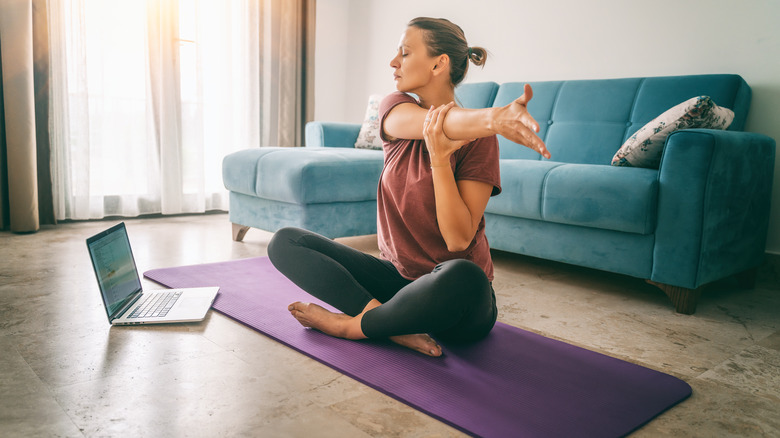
point(441, 64)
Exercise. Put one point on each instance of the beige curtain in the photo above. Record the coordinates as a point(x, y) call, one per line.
point(282, 96)
point(25, 180)
point(286, 49)
point(196, 80)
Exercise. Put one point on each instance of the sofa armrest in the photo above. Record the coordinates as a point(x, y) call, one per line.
point(332, 134)
point(713, 205)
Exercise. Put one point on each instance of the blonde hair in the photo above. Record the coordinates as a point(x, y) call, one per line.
point(443, 37)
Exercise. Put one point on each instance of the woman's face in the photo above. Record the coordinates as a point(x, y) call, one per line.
point(412, 67)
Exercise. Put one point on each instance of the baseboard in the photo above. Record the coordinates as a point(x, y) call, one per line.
point(769, 271)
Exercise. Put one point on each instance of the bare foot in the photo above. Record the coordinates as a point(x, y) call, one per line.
point(333, 324)
point(420, 342)
point(344, 326)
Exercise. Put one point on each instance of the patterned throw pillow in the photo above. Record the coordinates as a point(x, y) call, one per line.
point(644, 148)
point(369, 137)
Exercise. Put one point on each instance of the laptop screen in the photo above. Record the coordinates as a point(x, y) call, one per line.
point(114, 267)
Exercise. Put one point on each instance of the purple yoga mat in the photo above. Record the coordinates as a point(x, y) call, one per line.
point(513, 383)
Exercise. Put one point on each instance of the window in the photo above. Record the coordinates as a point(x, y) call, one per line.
point(148, 97)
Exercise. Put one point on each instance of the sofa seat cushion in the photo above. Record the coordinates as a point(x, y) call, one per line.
point(522, 184)
point(304, 175)
point(605, 197)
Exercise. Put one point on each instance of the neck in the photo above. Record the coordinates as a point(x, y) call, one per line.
point(436, 97)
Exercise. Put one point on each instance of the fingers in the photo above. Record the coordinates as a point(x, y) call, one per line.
point(441, 112)
point(428, 125)
point(538, 145)
point(528, 120)
point(542, 149)
point(528, 94)
point(518, 132)
point(436, 114)
point(428, 116)
point(434, 120)
point(439, 146)
point(531, 123)
point(531, 140)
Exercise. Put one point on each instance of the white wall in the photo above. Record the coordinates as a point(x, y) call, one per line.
point(561, 39)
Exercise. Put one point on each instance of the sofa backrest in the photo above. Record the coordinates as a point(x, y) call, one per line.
point(586, 121)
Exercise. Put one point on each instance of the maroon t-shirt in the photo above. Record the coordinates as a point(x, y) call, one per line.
point(408, 231)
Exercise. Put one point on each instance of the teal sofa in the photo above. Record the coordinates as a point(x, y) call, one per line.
point(700, 217)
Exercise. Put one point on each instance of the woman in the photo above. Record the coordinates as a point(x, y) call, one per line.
point(435, 271)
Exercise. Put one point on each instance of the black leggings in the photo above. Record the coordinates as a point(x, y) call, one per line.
point(455, 302)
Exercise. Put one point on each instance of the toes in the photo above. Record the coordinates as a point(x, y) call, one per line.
point(433, 352)
point(421, 343)
point(298, 307)
point(433, 349)
point(297, 311)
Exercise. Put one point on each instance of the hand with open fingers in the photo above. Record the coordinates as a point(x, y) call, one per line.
point(516, 124)
point(440, 147)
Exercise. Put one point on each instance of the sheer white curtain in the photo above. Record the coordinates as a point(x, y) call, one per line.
point(148, 97)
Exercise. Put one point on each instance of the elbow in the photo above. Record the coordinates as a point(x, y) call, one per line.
point(458, 239)
point(457, 245)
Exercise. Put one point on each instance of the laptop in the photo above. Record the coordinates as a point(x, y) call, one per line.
point(125, 301)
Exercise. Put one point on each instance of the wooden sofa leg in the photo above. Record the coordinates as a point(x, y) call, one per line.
point(683, 299)
point(239, 231)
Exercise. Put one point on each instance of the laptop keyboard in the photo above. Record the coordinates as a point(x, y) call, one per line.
point(156, 306)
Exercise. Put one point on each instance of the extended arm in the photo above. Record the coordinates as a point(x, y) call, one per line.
point(512, 121)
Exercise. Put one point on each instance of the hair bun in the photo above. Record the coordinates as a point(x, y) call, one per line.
point(477, 55)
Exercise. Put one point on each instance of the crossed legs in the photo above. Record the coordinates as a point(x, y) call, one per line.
point(453, 302)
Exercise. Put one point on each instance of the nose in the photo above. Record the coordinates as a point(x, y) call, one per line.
point(395, 62)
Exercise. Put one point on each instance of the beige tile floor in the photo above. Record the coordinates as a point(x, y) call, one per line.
point(65, 372)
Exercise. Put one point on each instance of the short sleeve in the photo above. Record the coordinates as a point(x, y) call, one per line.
point(388, 103)
point(478, 161)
